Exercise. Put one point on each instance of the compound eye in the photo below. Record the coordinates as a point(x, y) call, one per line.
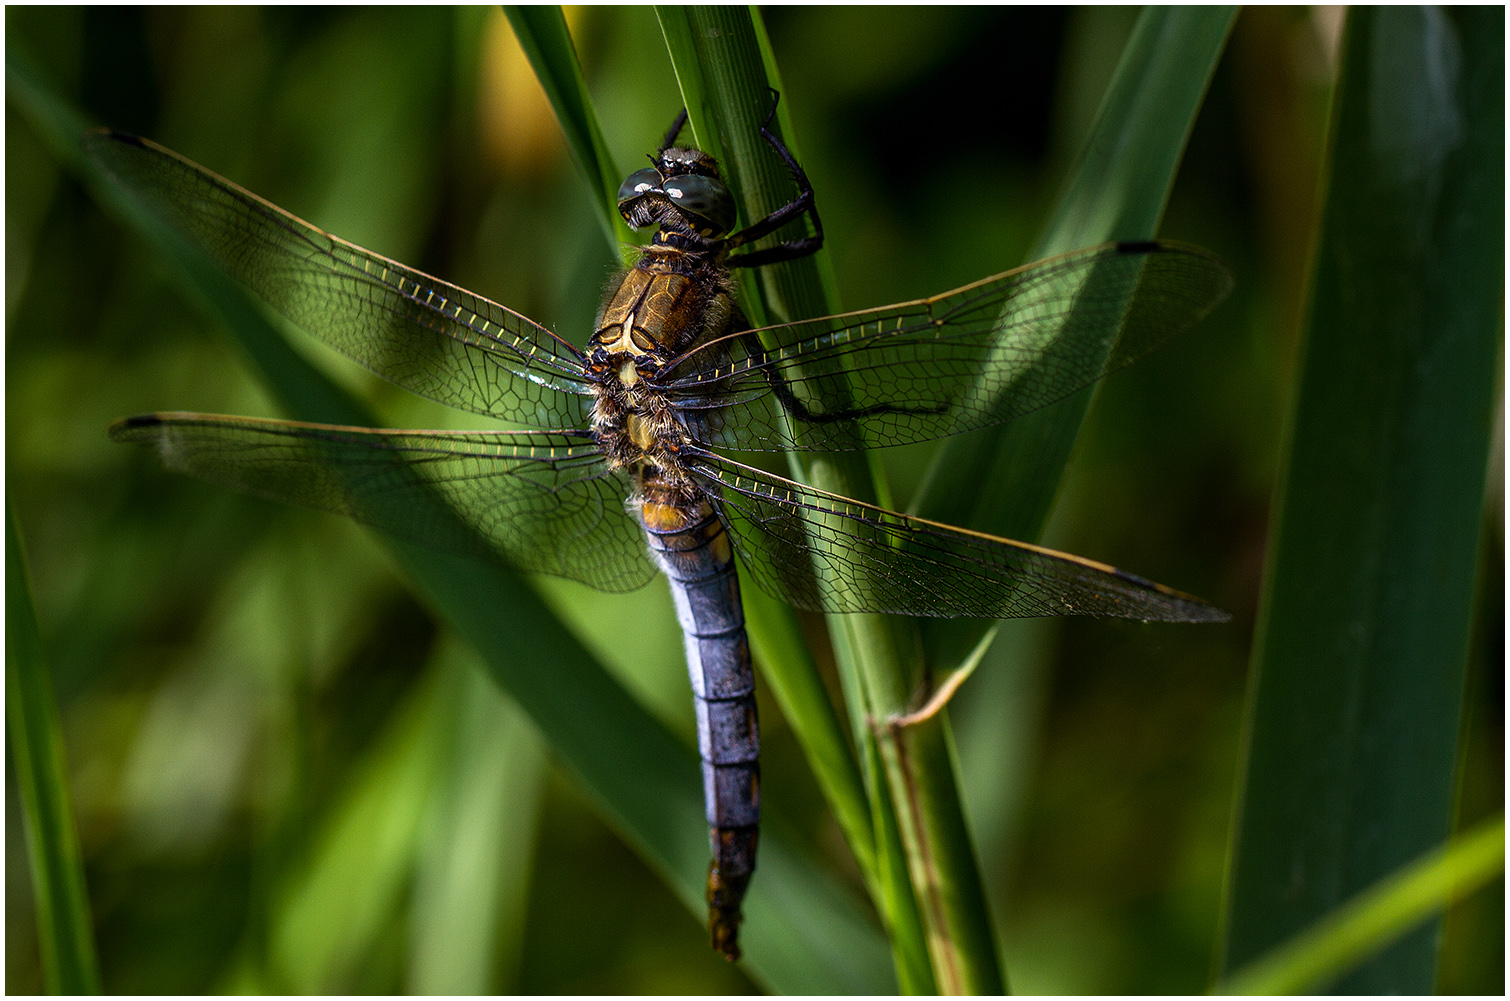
point(638, 184)
point(704, 200)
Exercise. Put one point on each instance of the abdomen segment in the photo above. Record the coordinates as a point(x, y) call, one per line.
point(692, 548)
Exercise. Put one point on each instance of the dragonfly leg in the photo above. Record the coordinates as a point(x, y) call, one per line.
point(803, 204)
point(800, 411)
point(672, 133)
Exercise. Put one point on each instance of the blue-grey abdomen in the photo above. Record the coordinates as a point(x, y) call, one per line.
point(692, 549)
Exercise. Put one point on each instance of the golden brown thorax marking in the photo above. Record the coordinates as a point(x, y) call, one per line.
point(669, 301)
point(666, 301)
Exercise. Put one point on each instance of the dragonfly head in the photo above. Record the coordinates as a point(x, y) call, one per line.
point(682, 193)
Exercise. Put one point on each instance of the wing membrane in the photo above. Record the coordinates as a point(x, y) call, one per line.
point(419, 332)
point(535, 500)
point(826, 553)
point(976, 356)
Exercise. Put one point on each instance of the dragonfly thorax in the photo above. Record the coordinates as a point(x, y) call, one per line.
point(654, 313)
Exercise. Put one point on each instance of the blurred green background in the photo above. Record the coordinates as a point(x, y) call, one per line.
point(287, 777)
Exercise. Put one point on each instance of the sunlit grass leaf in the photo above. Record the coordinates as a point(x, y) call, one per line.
point(64, 930)
point(336, 903)
point(1363, 631)
point(547, 44)
point(728, 74)
point(471, 890)
point(1364, 925)
point(1118, 192)
point(725, 107)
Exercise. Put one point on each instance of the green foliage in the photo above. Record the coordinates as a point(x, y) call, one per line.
point(1354, 932)
point(290, 774)
point(542, 33)
point(1354, 717)
point(36, 748)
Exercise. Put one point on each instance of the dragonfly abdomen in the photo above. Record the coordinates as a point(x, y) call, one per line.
point(691, 546)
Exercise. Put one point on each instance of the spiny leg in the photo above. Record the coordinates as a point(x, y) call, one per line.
point(803, 204)
point(673, 132)
point(799, 410)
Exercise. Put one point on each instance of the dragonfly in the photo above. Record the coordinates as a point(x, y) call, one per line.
point(628, 461)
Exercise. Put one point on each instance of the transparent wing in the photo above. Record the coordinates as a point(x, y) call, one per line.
point(980, 355)
point(421, 333)
point(534, 500)
point(826, 553)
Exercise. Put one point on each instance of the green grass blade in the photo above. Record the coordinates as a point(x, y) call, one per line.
point(1353, 710)
point(335, 906)
point(1365, 924)
point(798, 689)
point(1117, 192)
point(471, 889)
point(645, 780)
point(64, 929)
point(547, 44)
point(727, 101)
point(721, 53)
point(716, 54)
point(909, 935)
point(1121, 183)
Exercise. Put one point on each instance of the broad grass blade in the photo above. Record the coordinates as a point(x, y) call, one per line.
point(1117, 192)
point(1354, 705)
point(64, 929)
point(543, 35)
point(728, 73)
point(1364, 925)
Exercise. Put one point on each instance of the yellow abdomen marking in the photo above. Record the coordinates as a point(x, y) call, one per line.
point(663, 517)
point(719, 547)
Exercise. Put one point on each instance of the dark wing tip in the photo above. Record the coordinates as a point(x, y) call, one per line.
point(1223, 281)
point(133, 423)
point(104, 132)
point(1186, 607)
point(1177, 607)
point(1202, 612)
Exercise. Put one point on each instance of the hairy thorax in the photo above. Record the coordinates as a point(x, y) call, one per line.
point(672, 300)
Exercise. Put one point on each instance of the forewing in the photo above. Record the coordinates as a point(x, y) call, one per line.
point(986, 353)
point(534, 500)
point(421, 333)
point(830, 554)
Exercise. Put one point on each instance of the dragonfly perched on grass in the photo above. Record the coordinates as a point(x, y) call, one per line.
point(629, 465)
